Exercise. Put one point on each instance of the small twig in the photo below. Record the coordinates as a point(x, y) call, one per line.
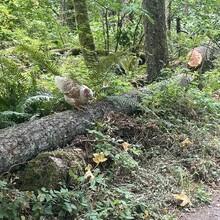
point(14, 165)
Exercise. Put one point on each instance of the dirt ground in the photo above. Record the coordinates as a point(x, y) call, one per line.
point(209, 212)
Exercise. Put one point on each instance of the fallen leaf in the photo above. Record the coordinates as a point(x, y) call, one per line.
point(184, 198)
point(99, 157)
point(88, 167)
point(165, 210)
point(146, 214)
point(186, 142)
point(89, 175)
point(126, 146)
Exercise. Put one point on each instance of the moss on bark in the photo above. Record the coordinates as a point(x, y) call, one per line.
point(49, 169)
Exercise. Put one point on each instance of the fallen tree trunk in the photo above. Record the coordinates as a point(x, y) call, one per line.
point(24, 141)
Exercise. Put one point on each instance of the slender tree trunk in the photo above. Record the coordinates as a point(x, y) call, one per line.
point(155, 38)
point(186, 8)
point(118, 34)
point(63, 12)
point(67, 15)
point(107, 31)
point(135, 34)
point(85, 33)
point(178, 25)
point(169, 15)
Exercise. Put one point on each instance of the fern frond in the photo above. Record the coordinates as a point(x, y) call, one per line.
point(41, 103)
point(105, 64)
point(9, 118)
point(41, 59)
point(9, 64)
point(13, 83)
point(5, 123)
point(12, 68)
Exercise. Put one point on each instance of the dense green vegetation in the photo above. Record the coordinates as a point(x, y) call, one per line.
point(171, 147)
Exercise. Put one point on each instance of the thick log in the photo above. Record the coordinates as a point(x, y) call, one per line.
point(198, 56)
point(59, 164)
point(24, 141)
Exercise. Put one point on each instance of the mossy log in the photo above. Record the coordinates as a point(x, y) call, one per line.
point(49, 169)
point(23, 142)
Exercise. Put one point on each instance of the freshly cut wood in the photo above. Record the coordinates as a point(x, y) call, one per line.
point(198, 56)
point(195, 59)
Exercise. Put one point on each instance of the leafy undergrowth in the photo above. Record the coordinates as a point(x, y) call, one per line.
point(145, 167)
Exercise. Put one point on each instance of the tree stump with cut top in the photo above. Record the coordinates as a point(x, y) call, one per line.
point(200, 58)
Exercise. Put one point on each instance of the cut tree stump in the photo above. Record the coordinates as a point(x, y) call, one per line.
point(198, 56)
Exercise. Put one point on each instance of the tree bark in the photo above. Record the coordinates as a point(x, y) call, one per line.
point(24, 141)
point(66, 16)
point(169, 15)
point(178, 25)
point(85, 33)
point(200, 58)
point(155, 38)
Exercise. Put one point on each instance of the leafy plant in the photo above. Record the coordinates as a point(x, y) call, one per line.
point(41, 104)
point(14, 84)
point(9, 118)
point(41, 59)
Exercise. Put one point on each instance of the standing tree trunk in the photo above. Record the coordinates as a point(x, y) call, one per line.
point(66, 14)
point(169, 15)
point(178, 25)
point(85, 34)
point(186, 8)
point(155, 38)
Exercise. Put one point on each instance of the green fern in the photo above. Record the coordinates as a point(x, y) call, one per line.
point(9, 118)
point(12, 67)
point(104, 78)
point(39, 104)
point(104, 67)
point(41, 59)
point(13, 83)
point(6, 123)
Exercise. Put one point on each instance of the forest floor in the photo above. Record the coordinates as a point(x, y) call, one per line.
point(207, 212)
point(158, 164)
